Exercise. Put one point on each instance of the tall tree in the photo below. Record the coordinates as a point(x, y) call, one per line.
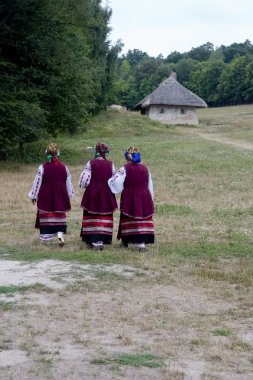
point(248, 91)
point(205, 79)
point(184, 68)
point(201, 53)
point(232, 86)
point(236, 50)
point(56, 63)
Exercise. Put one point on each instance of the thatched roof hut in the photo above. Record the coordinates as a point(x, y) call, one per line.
point(171, 103)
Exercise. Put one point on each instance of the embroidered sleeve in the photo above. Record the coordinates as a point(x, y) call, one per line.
point(116, 182)
point(69, 185)
point(113, 169)
point(33, 193)
point(150, 185)
point(85, 177)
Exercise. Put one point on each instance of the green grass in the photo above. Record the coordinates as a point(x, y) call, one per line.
point(114, 255)
point(113, 127)
point(236, 276)
point(12, 289)
point(109, 276)
point(5, 345)
point(83, 256)
point(117, 255)
point(172, 209)
point(136, 360)
point(221, 332)
point(6, 306)
point(202, 188)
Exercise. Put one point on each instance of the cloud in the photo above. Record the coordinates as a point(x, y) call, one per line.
point(163, 26)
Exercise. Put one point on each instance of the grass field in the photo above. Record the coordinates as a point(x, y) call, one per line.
point(181, 310)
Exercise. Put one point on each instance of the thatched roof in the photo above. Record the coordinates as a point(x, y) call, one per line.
point(171, 92)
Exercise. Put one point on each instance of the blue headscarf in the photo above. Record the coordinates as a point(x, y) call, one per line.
point(132, 153)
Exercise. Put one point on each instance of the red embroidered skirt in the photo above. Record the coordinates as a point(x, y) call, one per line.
point(51, 222)
point(133, 230)
point(96, 227)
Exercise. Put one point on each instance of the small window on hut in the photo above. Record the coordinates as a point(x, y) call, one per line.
point(161, 110)
point(182, 111)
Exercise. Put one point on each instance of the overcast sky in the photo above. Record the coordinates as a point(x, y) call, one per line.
point(163, 26)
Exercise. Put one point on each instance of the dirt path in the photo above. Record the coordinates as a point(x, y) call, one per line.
point(103, 322)
point(220, 139)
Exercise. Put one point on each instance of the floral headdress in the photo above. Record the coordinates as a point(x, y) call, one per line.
point(52, 151)
point(132, 153)
point(101, 150)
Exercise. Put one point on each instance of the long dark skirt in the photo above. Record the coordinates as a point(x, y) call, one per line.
point(50, 223)
point(96, 227)
point(136, 231)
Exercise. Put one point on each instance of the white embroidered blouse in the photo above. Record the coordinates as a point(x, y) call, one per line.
point(116, 182)
point(85, 176)
point(33, 193)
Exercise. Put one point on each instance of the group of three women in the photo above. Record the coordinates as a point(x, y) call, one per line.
point(52, 190)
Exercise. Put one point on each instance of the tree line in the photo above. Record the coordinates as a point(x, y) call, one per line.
point(56, 67)
point(221, 76)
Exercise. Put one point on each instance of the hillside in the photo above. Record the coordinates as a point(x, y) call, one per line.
point(181, 310)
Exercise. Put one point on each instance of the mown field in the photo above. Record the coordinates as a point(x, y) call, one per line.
point(181, 310)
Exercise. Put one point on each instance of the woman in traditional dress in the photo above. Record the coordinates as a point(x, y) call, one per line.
point(134, 182)
point(98, 201)
point(52, 190)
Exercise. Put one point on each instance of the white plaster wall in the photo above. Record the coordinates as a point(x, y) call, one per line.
point(172, 115)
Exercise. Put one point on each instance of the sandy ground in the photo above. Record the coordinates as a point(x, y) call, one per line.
point(46, 272)
point(86, 313)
